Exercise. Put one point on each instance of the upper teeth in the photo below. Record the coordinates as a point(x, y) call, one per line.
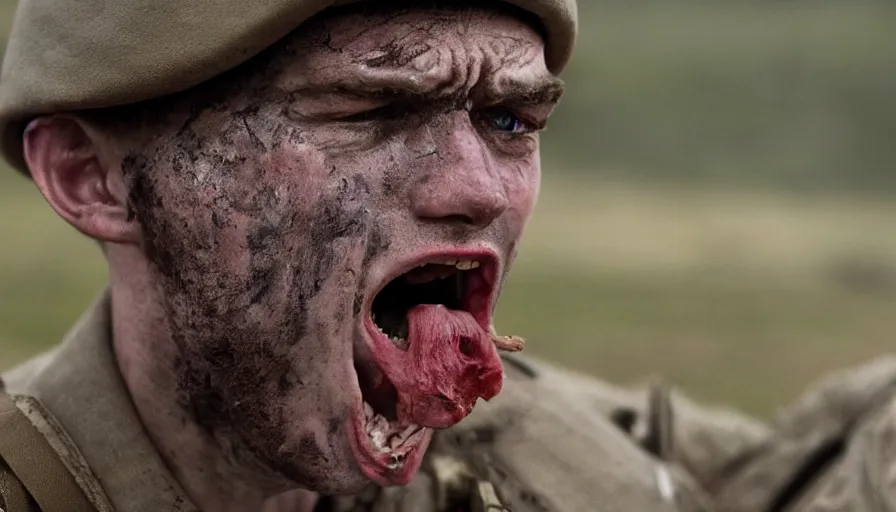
point(459, 264)
point(466, 264)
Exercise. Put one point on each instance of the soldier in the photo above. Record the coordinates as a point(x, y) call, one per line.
point(307, 211)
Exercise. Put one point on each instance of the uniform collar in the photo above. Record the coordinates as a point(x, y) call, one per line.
point(80, 385)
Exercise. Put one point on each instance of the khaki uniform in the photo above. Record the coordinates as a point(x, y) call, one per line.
point(552, 441)
point(833, 450)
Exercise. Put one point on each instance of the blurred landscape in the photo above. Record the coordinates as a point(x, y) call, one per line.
point(718, 207)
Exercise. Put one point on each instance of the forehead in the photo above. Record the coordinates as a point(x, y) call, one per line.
point(360, 30)
point(413, 48)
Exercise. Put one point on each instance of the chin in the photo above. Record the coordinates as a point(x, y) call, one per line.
point(343, 483)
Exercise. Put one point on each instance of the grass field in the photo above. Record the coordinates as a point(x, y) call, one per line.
point(738, 297)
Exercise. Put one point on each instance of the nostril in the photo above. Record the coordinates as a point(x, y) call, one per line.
point(458, 219)
point(458, 210)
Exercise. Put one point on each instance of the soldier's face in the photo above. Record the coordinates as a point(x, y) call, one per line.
point(329, 232)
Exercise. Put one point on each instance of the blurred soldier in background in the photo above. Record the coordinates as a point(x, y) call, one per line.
point(308, 211)
point(834, 449)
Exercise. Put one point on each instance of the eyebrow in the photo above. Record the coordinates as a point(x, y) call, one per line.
point(545, 90)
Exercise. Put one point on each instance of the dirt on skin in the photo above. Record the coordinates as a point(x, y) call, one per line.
point(274, 200)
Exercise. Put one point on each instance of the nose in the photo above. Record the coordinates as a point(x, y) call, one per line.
point(460, 183)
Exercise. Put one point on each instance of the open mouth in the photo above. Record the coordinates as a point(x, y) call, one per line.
point(388, 444)
point(433, 283)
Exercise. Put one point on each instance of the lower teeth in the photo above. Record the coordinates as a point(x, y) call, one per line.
point(378, 429)
point(399, 342)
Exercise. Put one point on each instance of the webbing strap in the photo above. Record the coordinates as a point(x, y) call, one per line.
point(30, 456)
point(15, 497)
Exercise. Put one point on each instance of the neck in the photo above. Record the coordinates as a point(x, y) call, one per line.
point(212, 478)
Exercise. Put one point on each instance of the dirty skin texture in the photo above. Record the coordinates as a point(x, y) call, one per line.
point(274, 202)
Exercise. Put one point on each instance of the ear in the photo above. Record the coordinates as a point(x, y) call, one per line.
point(84, 187)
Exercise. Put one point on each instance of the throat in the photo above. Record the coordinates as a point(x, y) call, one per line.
point(429, 284)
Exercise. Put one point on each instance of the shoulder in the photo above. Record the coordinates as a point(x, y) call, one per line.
point(834, 448)
point(866, 477)
point(18, 379)
point(861, 469)
point(877, 451)
point(545, 447)
point(654, 416)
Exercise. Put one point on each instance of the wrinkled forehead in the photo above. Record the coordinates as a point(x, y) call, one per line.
point(418, 48)
point(361, 29)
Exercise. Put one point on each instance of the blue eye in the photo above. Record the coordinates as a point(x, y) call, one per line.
point(506, 121)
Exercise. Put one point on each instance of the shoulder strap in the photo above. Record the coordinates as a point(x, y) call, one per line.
point(13, 496)
point(28, 453)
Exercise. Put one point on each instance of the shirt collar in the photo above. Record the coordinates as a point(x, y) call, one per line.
point(79, 383)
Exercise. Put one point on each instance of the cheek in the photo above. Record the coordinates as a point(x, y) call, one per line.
point(268, 188)
point(225, 209)
point(523, 183)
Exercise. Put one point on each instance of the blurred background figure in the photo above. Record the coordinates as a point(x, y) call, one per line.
point(718, 204)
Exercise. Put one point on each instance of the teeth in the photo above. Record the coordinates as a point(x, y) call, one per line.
point(386, 439)
point(376, 429)
point(466, 264)
point(399, 342)
point(378, 438)
point(417, 436)
point(401, 438)
point(395, 462)
point(368, 410)
point(458, 264)
point(410, 429)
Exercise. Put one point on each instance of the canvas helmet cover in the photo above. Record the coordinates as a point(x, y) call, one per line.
point(69, 55)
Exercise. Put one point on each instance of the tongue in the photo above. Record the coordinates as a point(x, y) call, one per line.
point(450, 363)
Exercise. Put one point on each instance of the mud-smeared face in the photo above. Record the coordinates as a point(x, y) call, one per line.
point(329, 230)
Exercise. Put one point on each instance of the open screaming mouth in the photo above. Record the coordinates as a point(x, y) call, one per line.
point(429, 355)
point(432, 283)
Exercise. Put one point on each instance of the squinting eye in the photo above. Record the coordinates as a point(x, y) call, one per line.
point(388, 112)
point(506, 121)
